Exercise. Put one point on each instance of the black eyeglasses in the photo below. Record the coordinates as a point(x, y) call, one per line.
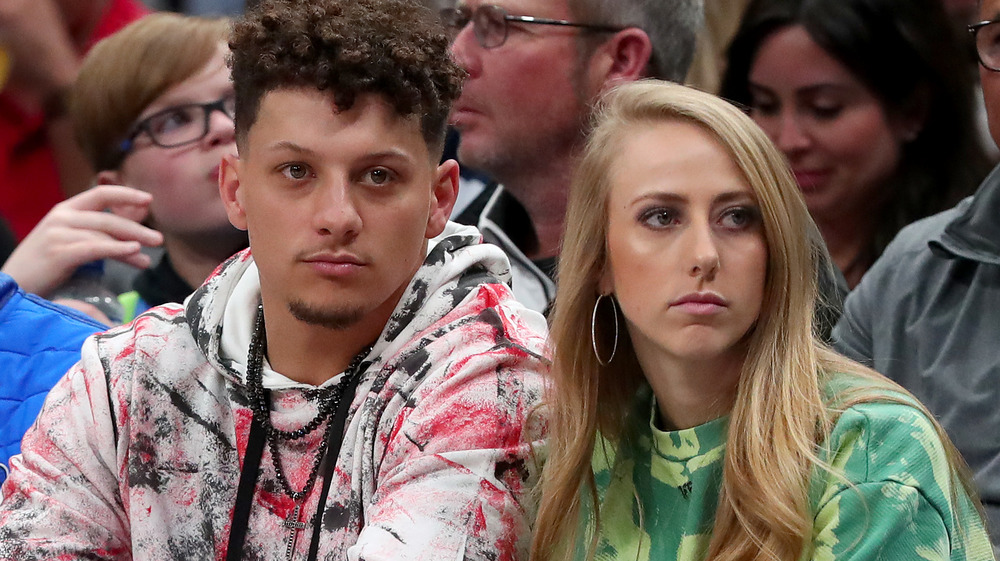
point(489, 23)
point(180, 124)
point(987, 37)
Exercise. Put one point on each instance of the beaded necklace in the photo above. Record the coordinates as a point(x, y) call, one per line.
point(329, 400)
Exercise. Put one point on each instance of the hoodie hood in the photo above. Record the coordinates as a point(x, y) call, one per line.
point(221, 312)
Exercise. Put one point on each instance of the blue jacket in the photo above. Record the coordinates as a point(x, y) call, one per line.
point(39, 342)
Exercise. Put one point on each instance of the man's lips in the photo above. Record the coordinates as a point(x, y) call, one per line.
point(700, 303)
point(334, 264)
point(462, 113)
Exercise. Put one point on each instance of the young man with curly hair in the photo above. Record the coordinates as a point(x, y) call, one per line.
point(354, 386)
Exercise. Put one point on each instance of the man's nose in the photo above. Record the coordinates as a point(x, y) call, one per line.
point(466, 51)
point(336, 211)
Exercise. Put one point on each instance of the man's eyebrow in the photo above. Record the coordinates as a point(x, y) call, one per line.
point(290, 146)
point(384, 154)
point(389, 153)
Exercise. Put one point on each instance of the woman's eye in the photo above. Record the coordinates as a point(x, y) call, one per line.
point(295, 171)
point(827, 111)
point(740, 218)
point(763, 105)
point(761, 108)
point(659, 217)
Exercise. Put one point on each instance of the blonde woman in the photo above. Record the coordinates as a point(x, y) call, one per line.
point(702, 419)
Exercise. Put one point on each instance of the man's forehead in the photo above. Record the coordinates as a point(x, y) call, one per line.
point(310, 114)
point(539, 8)
point(989, 9)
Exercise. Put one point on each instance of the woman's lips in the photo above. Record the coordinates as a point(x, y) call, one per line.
point(810, 180)
point(700, 303)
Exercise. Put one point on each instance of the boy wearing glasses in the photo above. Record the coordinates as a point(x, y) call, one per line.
point(159, 125)
point(356, 385)
point(162, 124)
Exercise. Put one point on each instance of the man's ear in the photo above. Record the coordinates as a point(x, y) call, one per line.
point(229, 189)
point(622, 58)
point(443, 195)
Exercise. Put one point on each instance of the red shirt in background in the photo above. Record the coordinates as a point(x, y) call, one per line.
point(29, 179)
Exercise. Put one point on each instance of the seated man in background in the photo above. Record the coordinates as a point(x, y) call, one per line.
point(925, 314)
point(524, 111)
point(356, 385)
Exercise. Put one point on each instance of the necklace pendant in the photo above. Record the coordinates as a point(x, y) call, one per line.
point(294, 525)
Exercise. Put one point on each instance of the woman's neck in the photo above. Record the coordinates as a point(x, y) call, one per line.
point(849, 243)
point(691, 393)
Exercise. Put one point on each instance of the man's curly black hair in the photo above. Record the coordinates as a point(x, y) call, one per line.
point(394, 48)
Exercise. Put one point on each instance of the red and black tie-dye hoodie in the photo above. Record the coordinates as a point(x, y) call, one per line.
point(138, 451)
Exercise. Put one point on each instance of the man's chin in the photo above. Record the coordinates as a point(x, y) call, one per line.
point(328, 317)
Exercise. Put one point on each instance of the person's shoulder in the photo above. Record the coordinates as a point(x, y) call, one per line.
point(492, 317)
point(906, 260)
point(884, 436)
point(151, 336)
point(470, 279)
point(37, 324)
point(914, 238)
point(489, 351)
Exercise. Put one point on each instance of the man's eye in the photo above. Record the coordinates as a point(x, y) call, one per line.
point(378, 176)
point(295, 171)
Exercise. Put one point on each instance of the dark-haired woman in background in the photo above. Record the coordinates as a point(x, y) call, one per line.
point(866, 100)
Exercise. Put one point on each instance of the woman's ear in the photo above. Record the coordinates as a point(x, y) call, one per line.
point(910, 119)
point(606, 283)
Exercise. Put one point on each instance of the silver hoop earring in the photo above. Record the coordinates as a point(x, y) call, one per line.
point(593, 329)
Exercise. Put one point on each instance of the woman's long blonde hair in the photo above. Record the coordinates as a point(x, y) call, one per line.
point(779, 416)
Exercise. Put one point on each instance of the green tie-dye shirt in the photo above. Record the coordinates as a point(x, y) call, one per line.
point(899, 506)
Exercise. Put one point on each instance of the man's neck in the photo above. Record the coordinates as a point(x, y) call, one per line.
point(312, 354)
point(544, 195)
